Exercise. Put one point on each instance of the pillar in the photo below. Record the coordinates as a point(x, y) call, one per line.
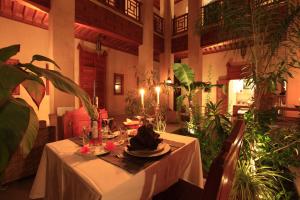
point(167, 58)
point(194, 47)
point(62, 39)
point(145, 59)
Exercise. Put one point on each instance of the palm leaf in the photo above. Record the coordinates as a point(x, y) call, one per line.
point(184, 74)
point(35, 87)
point(8, 52)
point(179, 102)
point(7, 85)
point(64, 84)
point(30, 134)
point(43, 58)
point(16, 117)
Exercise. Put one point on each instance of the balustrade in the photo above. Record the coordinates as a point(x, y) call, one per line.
point(158, 24)
point(180, 24)
point(131, 8)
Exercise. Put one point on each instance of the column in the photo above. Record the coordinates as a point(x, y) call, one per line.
point(194, 47)
point(145, 60)
point(167, 58)
point(62, 42)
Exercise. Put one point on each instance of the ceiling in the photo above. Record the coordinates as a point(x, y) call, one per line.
point(28, 14)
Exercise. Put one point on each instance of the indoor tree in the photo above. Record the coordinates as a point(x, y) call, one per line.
point(186, 77)
point(269, 33)
point(19, 123)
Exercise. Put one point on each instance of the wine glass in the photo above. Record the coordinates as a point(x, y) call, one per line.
point(122, 138)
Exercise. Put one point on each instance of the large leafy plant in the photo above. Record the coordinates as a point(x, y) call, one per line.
point(186, 77)
point(18, 122)
point(269, 33)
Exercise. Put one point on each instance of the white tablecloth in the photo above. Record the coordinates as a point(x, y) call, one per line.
point(64, 175)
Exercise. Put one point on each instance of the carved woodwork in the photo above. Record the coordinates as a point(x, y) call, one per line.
point(93, 68)
point(23, 13)
point(158, 43)
point(180, 43)
point(235, 70)
point(180, 24)
point(180, 55)
point(44, 5)
point(158, 24)
point(87, 13)
point(90, 34)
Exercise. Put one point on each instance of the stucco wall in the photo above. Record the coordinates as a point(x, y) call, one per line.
point(33, 40)
point(293, 91)
point(117, 62)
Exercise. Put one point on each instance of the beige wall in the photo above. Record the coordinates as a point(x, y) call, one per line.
point(180, 8)
point(122, 63)
point(33, 40)
point(293, 91)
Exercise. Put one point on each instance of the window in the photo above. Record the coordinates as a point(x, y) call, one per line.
point(118, 84)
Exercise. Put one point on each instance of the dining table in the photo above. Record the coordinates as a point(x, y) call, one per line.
point(63, 174)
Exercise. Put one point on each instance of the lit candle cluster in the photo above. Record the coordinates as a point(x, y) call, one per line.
point(142, 93)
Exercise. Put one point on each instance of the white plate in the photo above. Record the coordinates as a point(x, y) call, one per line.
point(110, 136)
point(157, 152)
point(96, 152)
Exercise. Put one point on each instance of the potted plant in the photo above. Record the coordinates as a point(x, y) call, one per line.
point(19, 123)
point(186, 77)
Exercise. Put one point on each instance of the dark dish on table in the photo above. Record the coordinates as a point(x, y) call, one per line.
point(146, 139)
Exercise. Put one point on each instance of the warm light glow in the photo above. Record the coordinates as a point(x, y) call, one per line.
point(168, 81)
point(157, 89)
point(142, 93)
point(238, 86)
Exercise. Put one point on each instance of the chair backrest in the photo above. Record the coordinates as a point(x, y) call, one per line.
point(74, 121)
point(222, 170)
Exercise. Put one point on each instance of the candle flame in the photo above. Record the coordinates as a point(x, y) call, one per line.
point(142, 91)
point(157, 89)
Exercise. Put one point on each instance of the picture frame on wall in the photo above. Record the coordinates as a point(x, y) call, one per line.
point(118, 84)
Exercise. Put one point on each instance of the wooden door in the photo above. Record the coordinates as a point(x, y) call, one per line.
point(93, 69)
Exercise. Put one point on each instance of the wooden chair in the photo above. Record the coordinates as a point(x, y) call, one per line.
point(220, 177)
point(20, 167)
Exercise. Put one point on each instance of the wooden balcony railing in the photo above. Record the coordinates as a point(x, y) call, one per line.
point(158, 24)
point(180, 24)
point(131, 8)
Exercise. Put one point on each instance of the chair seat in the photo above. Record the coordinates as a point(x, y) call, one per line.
point(182, 190)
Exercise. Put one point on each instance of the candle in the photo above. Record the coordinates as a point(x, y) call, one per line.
point(157, 89)
point(142, 93)
point(94, 89)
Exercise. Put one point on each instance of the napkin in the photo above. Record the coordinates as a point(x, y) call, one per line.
point(146, 139)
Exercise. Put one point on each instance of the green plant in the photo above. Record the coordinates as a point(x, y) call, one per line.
point(264, 30)
point(160, 123)
point(213, 131)
point(255, 183)
point(215, 121)
point(186, 77)
point(19, 123)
